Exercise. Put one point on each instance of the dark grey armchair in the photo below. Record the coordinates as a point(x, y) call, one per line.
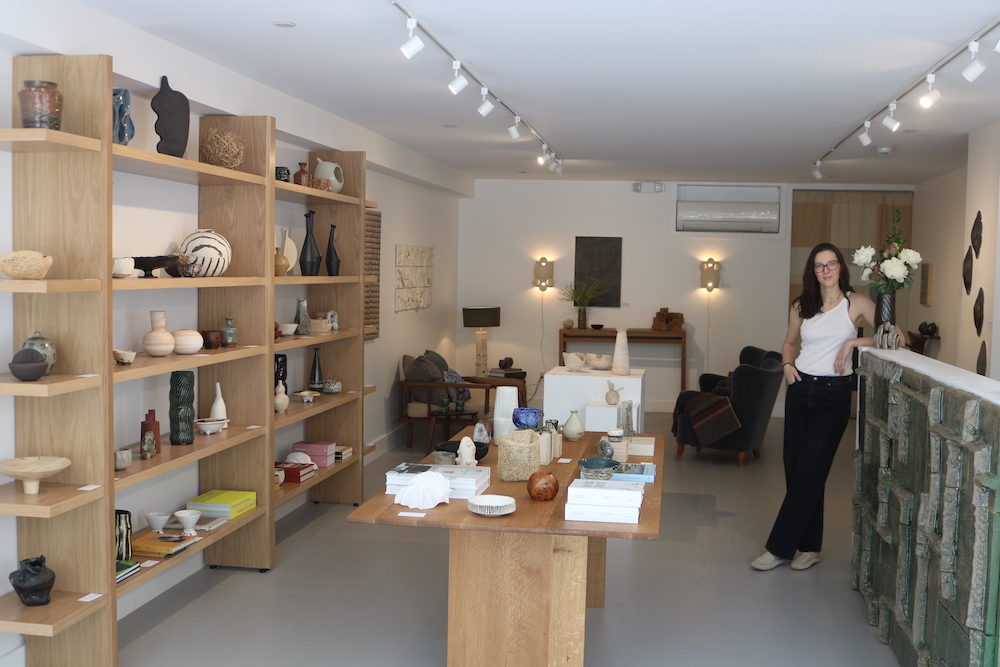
point(752, 392)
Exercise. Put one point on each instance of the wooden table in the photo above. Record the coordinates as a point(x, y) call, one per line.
point(519, 585)
point(446, 418)
point(607, 335)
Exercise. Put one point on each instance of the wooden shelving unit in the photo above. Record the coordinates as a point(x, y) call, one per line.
point(62, 185)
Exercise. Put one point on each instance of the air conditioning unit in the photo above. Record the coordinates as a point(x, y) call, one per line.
point(746, 209)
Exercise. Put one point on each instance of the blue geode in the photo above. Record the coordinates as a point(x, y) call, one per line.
point(527, 417)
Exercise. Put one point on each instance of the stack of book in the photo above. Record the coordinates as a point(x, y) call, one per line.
point(464, 481)
point(296, 472)
point(224, 503)
point(160, 545)
point(635, 472)
point(125, 569)
point(508, 373)
point(641, 445)
point(606, 501)
point(323, 454)
point(344, 452)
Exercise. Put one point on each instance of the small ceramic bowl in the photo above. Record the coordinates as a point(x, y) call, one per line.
point(597, 326)
point(123, 357)
point(600, 362)
point(208, 425)
point(527, 417)
point(288, 329)
point(574, 360)
point(598, 468)
point(157, 520)
point(30, 371)
point(123, 267)
point(307, 396)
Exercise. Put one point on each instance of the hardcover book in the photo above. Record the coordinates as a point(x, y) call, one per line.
point(205, 523)
point(160, 544)
point(315, 448)
point(296, 472)
point(605, 493)
point(641, 445)
point(601, 513)
point(125, 569)
point(635, 472)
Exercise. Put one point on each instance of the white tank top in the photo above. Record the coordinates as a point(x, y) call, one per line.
point(823, 335)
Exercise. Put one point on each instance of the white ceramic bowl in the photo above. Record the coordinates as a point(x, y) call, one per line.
point(307, 396)
point(288, 329)
point(492, 505)
point(32, 469)
point(123, 357)
point(157, 520)
point(574, 360)
point(600, 362)
point(208, 425)
point(122, 267)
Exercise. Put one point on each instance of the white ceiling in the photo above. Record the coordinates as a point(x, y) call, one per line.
point(719, 90)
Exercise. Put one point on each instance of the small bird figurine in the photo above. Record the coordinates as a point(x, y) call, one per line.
point(466, 452)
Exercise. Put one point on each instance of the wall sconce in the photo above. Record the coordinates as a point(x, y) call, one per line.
point(481, 317)
point(710, 274)
point(544, 274)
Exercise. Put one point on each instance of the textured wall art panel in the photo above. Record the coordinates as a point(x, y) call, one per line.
point(372, 272)
point(414, 276)
point(925, 514)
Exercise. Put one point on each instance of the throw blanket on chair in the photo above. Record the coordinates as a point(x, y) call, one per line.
point(711, 417)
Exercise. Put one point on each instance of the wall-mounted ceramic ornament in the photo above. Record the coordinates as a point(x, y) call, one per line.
point(977, 233)
point(981, 361)
point(977, 312)
point(173, 119)
point(967, 271)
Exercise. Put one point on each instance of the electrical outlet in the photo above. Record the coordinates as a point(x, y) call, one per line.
point(637, 187)
point(659, 187)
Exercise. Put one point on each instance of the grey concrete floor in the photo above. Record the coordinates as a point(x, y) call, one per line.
point(376, 596)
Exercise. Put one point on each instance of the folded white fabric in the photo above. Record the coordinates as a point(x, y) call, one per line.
point(427, 490)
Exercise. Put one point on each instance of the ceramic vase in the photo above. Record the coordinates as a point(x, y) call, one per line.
point(309, 258)
point(332, 258)
point(302, 176)
point(32, 581)
point(620, 364)
point(209, 250)
point(123, 535)
point(173, 119)
point(316, 374)
point(281, 263)
point(186, 341)
point(302, 318)
point(280, 368)
point(122, 129)
point(886, 336)
point(149, 424)
point(182, 408)
point(219, 405)
point(503, 411)
point(573, 428)
point(581, 317)
point(230, 334)
point(40, 104)
point(611, 397)
point(158, 342)
point(44, 345)
point(280, 397)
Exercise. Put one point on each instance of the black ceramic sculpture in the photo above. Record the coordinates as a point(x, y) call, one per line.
point(310, 257)
point(173, 119)
point(316, 374)
point(977, 311)
point(977, 233)
point(149, 264)
point(928, 328)
point(32, 581)
point(967, 271)
point(332, 258)
point(981, 361)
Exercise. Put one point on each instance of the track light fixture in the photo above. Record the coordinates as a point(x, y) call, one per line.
point(512, 130)
point(414, 44)
point(544, 157)
point(889, 121)
point(459, 83)
point(932, 95)
point(864, 137)
point(976, 67)
point(817, 174)
point(486, 107)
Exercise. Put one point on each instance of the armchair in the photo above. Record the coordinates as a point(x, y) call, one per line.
point(748, 355)
point(752, 392)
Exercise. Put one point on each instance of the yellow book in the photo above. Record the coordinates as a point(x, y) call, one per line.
point(221, 497)
point(160, 544)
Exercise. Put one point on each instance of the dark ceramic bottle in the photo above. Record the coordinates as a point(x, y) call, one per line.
point(316, 376)
point(332, 258)
point(182, 408)
point(310, 258)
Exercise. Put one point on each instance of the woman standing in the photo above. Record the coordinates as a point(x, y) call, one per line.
point(824, 319)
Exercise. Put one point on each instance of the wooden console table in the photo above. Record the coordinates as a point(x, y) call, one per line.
point(607, 335)
point(519, 585)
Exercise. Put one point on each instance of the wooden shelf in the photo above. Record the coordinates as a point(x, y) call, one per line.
point(146, 366)
point(146, 574)
point(371, 279)
point(367, 449)
point(128, 284)
point(315, 280)
point(368, 389)
point(49, 385)
point(297, 410)
point(38, 140)
point(289, 490)
point(63, 611)
point(371, 204)
point(172, 457)
point(167, 167)
point(51, 500)
point(49, 286)
point(311, 196)
point(292, 342)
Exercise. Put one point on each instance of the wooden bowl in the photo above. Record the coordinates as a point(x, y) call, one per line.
point(29, 470)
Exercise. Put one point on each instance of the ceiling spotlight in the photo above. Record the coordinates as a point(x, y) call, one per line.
point(864, 137)
point(817, 174)
point(554, 164)
point(544, 157)
point(559, 168)
point(512, 130)
point(459, 83)
point(486, 107)
point(889, 121)
point(413, 45)
point(932, 95)
point(976, 67)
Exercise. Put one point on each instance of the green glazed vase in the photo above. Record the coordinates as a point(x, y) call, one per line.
point(182, 408)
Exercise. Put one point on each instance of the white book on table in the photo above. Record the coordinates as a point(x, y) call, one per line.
point(641, 445)
point(602, 513)
point(605, 492)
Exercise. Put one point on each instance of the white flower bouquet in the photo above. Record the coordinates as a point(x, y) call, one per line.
point(891, 268)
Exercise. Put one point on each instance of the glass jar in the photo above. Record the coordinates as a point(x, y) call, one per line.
point(41, 105)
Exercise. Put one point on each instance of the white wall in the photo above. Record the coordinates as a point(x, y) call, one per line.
point(509, 224)
point(939, 235)
point(981, 195)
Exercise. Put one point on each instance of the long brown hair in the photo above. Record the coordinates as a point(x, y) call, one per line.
point(811, 300)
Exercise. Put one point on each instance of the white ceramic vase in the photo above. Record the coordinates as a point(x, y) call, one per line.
point(219, 405)
point(186, 341)
point(158, 342)
point(280, 397)
point(620, 362)
point(573, 428)
point(503, 411)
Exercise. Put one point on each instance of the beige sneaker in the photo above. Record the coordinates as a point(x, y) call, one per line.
point(805, 560)
point(766, 561)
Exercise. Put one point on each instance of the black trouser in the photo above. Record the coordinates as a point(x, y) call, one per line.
point(816, 414)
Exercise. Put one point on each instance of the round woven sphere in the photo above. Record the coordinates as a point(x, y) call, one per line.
point(223, 149)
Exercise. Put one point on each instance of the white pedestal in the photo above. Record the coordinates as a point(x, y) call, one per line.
point(600, 416)
point(567, 390)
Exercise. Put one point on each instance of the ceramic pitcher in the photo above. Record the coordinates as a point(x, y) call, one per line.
point(330, 171)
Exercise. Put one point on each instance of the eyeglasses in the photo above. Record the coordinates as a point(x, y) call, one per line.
point(832, 265)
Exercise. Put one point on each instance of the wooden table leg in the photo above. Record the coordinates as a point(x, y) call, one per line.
point(430, 434)
point(516, 599)
point(597, 554)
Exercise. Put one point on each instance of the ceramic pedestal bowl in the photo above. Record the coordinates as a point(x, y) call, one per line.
point(188, 519)
point(307, 396)
point(157, 520)
point(149, 264)
point(30, 470)
point(209, 425)
point(574, 360)
point(598, 468)
point(600, 362)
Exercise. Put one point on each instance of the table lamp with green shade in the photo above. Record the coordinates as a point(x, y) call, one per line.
point(481, 316)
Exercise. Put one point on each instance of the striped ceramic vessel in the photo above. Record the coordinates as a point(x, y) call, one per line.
point(209, 250)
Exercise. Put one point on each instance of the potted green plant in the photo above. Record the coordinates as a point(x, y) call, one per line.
point(582, 293)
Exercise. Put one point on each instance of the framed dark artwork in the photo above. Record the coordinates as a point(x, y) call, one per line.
point(600, 258)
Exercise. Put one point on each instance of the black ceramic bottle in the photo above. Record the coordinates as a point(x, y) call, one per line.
point(309, 258)
point(316, 376)
point(332, 258)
